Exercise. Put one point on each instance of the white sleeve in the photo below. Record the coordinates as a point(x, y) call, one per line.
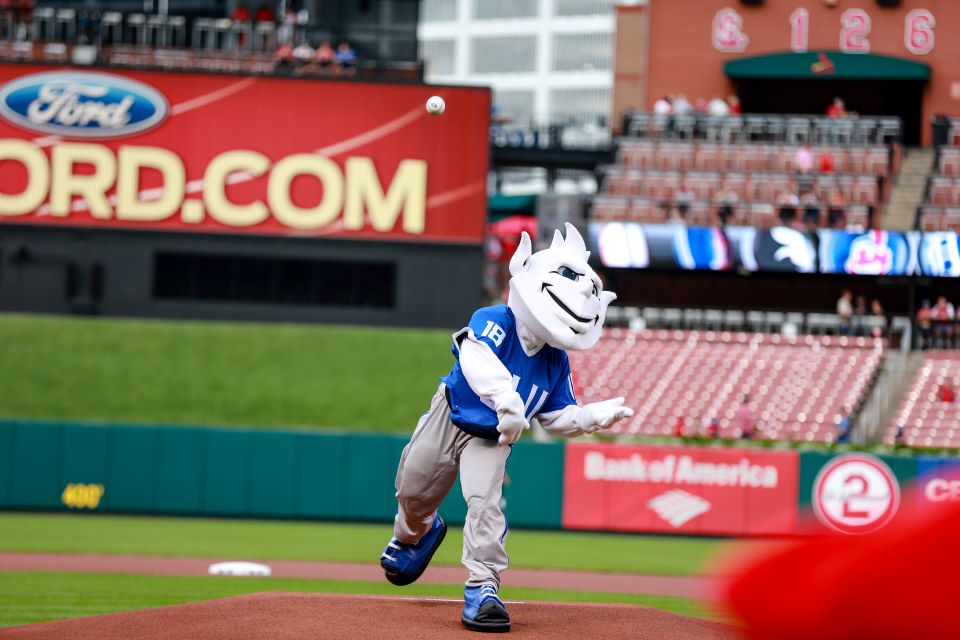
point(486, 375)
point(565, 422)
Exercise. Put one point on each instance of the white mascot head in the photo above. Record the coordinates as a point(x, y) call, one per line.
point(556, 293)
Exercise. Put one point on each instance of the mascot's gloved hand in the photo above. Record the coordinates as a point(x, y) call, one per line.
point(602, 415)
point(512, 422)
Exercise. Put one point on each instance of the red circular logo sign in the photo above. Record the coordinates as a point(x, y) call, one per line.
point(855, 493)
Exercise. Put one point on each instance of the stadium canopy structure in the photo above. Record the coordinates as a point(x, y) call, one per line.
point(826, 65)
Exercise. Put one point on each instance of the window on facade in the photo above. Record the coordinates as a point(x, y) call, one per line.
point(582, 52)
point(501, 9)
point(439, 56)
point(438, 11)
point(579, 105)
point(507, 54)
point(582, 7)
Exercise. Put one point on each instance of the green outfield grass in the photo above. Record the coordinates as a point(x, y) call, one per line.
point(27, 597)
point(284, 540)
point(216, 373)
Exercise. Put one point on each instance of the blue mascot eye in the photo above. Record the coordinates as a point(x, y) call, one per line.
point(568, 273)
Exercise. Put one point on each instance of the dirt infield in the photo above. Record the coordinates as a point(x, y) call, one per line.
point(679, 586)
point(288, 616)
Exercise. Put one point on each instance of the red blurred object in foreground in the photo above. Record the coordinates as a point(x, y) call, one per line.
point(899, 582)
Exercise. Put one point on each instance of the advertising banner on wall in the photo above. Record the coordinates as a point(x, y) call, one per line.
point(680, 489)
point(633, 245)
point(254, 155)
point(938, 481)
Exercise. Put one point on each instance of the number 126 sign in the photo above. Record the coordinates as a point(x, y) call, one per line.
point(729, 33)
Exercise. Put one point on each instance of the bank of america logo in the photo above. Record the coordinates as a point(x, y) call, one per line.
point(678, 507)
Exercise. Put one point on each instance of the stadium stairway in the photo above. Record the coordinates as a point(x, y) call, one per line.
point(908, 189)
point(886, 395)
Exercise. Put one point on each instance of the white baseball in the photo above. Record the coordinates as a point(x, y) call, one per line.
point(436, 105)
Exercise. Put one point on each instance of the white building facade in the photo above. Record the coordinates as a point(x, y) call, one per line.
point(548, 61)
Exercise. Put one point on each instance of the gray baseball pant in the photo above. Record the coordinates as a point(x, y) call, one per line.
point(428, 468)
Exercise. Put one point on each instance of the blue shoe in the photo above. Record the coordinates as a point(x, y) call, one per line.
point(483, 610)
point(404, 563)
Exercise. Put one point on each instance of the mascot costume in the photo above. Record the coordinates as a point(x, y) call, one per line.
point(511, 366)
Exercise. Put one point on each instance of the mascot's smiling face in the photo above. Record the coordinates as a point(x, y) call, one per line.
point(556, 293)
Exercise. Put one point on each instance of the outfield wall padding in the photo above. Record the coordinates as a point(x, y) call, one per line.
point(239, 472)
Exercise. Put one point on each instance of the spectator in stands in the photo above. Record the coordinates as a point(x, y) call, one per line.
point(745, 418)
point(836, 206)
point(679, 428)
point(803, 159)
point(727, 200)
point(713, 428)
point(240, 13)
point(682, 106)
point(303, 53)
point(323, 59)
point(663, 106)
point(811, 209)
point(24, 19)
point(827, 161)
point(346, 59)
point(700, 107)
point(718, 108)
point(787, 203)
point(843, 429)
point(845, 311)
point(734, 103)
point(877, 311)
point(285, 31)
point(684, 197)
point(942, 315)
point(925, 324)
point(945, 393)
point(837, 109)
point(283, 58)
point(264, 13)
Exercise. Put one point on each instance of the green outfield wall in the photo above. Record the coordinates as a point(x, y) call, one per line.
point(721, 490)
point(233, 472)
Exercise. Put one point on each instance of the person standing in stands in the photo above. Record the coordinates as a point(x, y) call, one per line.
point(346, 59)
point(787, 202)
point(845, 311)
point(925, 324)
point(942, 316)
point(745, 418)
point(837, 109)
point(734, 103)
point(946, 393)
point(264, 13)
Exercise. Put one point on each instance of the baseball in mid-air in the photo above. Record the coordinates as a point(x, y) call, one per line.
point(436, 105)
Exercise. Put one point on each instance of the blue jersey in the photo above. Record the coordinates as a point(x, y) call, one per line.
point(542, 380)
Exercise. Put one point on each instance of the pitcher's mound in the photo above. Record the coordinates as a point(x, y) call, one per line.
point(288, 616)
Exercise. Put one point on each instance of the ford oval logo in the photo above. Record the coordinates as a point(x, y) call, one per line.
point(82, 104)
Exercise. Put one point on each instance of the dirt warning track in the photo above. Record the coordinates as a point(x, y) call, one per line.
point(292, 616)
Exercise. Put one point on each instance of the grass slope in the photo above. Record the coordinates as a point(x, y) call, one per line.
point(341, 542)
point(37, 597)
point(215, 373)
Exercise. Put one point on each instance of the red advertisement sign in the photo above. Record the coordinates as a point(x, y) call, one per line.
point(256, 155)
point(680, 489)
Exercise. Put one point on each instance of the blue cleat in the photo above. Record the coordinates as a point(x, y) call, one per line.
point(404, 563)
point(483, 610)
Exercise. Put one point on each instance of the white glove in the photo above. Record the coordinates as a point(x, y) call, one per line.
point(602, 415)
point(512, 422)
